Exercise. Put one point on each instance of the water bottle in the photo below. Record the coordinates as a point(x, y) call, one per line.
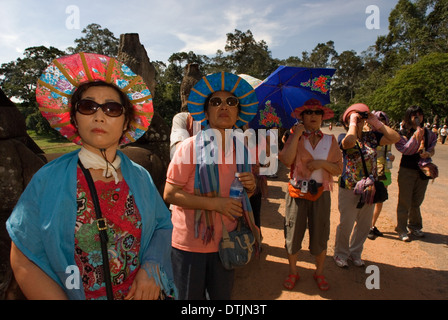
point(388, 162)
point(236, 188)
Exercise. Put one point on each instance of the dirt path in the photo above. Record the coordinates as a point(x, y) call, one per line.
point(413, 270)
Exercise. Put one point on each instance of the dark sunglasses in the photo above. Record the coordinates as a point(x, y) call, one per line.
point(316, 112)
point(217, 101)
point(89, 107)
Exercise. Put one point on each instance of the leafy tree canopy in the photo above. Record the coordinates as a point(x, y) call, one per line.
point(96, 40)
point(422, 83)
point(406, 66)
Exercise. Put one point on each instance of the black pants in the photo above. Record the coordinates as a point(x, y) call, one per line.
point(199, 276)
point(255, 202)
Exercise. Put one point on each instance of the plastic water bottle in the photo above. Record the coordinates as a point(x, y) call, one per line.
point(388, 162)
point(236, 188)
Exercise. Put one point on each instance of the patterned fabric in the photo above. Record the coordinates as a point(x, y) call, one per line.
point(317, 133)
point(410, 146)
point(124, 232)
point(206, 183)
point(353, 170)
point(64, 75)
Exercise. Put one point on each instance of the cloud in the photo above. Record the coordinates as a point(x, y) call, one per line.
point(165, 27)
point(200, 44)
point(241, 17)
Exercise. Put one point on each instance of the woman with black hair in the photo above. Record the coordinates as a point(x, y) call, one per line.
point(91, 224)
point(416, 144)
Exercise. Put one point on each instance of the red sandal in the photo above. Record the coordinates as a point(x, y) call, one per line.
point(321, 282)
point(290, 281)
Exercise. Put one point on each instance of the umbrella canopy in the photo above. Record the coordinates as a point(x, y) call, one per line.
point(254, 82)
point(286, 89)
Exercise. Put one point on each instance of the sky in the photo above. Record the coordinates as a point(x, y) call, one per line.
point(289, 27)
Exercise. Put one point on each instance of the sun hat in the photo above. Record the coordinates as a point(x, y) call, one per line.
point(65, 74)
point(382, 114)
point(312, 104)
point(358, 107)
point(223, 81)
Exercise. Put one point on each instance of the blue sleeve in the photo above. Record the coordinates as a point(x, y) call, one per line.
point(340, 138)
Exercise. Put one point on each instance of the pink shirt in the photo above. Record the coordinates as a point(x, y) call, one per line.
point(182, 174)
point(331, 150)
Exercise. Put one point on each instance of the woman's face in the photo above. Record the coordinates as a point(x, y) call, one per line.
point(312, 119)
point(98, 130)
point(222, 116)
point(416, 117)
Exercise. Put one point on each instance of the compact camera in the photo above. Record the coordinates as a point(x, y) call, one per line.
point(304, 186)
point(364, 115)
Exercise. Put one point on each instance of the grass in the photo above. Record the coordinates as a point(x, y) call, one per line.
point(51, 144)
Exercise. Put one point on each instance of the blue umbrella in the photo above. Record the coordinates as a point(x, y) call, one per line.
point(286, 89)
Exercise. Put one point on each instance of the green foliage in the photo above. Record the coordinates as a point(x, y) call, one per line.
point(406, 66)
point(422, 83)
point(96, 40)
point(19, 78)
point(249, 56)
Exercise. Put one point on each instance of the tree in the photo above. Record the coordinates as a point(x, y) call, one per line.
point(438, 26)
point(349, 72)
point(416, 28)
point(19, 78)
point(422, 83)
point(320, 57)
point(96, 40)
point(249, 56)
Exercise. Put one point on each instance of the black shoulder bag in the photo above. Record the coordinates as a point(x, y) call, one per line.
point(381, 193)
point(102, 228)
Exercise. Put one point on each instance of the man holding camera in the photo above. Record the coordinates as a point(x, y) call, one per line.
point(314, 159)
point(357, 144)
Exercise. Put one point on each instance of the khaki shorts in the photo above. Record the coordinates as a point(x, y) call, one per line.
point(300, 213)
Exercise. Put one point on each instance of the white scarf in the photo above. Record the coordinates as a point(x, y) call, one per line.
point(91, 160)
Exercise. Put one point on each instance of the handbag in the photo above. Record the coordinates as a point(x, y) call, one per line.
point(102, 228)
point(237, 247)
point(428, 170)
point(313, 193)
point(379, 190)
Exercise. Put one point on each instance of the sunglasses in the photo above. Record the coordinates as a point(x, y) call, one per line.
point(89, 107)
point(217, 101)
point(316, 112)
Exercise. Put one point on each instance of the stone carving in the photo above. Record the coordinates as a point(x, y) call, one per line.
point(192, 74)
point(133, 54)
point(155, 158)
point(19, 160)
